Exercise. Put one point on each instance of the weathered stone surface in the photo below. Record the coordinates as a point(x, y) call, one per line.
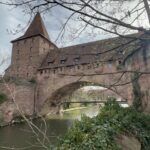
point(8, 110)
point(128, 142)
point(20, 99)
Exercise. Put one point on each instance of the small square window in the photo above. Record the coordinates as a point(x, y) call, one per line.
point(77, 59)
point(62, 61)
point(96, 56)
point(50, 63)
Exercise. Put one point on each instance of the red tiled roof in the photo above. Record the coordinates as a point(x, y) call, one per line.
point(98, 51)
point(37, 27)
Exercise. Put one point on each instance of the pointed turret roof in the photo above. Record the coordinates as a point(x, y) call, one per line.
point(37, 27)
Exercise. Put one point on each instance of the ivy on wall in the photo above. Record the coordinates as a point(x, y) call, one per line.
point(137, 94)
point(3, 98)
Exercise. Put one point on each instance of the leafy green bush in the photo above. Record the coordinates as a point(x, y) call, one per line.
point(100, 132)
point(3, 98)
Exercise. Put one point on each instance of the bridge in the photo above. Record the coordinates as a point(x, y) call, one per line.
point(56, 83)
point(111, 63)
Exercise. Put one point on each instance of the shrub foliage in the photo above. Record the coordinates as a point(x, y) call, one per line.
point(100, 132)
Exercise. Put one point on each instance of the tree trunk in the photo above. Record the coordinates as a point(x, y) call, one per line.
point(147, 9)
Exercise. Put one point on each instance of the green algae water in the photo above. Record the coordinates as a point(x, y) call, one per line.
point(21, 137)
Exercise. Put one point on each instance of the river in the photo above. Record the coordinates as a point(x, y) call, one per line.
point(21, 137)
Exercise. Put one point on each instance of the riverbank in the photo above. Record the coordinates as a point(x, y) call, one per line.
point(56, 126)
point(18, 120)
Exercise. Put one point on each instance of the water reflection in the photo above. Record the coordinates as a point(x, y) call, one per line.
point(19, 136)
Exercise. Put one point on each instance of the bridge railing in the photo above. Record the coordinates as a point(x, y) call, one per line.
point(100, 102)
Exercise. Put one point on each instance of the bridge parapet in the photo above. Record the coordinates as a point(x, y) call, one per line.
point(82, 69)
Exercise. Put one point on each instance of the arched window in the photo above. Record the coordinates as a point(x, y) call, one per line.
point(18, 51)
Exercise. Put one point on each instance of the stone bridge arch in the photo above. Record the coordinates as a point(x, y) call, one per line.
point(52, 89)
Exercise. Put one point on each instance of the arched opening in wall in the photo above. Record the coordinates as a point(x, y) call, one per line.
point(82, 98)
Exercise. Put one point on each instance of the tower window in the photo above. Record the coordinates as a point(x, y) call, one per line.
point(44, 50)
point(78, 67)
point(30, 49)
point(30, 57)
point(18, 51)
point(62, 61)
point(96, 56)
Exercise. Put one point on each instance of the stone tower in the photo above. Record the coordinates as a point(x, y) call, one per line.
point(29, 50)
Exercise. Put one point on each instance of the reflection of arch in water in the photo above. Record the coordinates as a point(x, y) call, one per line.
point(57, 97)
